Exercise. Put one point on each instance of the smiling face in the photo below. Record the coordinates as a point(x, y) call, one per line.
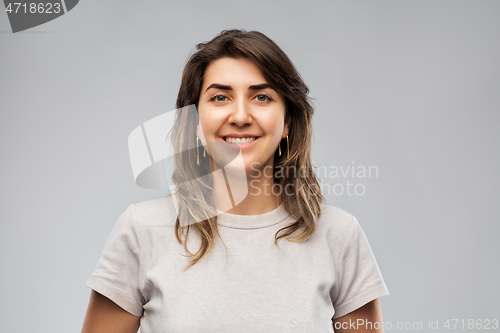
point(237, 102)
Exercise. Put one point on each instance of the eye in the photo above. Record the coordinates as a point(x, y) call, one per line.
point(218, 99)
point(265, 98)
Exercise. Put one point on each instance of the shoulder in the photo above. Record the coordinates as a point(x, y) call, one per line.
point(156, 212)
point(336, 218)
point(336, 224)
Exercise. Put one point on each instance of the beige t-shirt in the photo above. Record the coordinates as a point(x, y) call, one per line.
point(255, 287)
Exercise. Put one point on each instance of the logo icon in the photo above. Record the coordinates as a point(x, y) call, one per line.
point(29, 14)
point(153, 159)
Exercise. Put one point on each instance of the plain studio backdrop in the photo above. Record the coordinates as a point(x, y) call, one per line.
point(408, 88)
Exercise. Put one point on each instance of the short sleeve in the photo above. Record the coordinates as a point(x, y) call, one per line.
point(117, 274)
point(359, 278)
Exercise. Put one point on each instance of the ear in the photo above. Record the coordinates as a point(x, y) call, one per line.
point(286, 129)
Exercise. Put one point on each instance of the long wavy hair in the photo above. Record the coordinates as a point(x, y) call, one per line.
point(194, 201)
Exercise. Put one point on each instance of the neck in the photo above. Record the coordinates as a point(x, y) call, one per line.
point(259, 200)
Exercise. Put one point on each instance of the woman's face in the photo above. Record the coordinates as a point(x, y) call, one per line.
point(237, 102)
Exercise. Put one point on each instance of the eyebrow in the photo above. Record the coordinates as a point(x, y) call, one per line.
point(226, 87)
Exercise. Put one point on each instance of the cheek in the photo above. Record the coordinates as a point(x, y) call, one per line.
point(274, 126)
point(209, 124)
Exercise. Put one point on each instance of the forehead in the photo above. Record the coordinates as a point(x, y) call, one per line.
point(229, 70)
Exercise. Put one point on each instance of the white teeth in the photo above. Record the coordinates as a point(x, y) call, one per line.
point(239, 140)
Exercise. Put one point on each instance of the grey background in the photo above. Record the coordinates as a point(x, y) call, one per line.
point(411, 87)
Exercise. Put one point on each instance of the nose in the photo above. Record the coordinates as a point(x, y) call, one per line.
point(240, 114)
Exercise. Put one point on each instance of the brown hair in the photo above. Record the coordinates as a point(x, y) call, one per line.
point(304, 204)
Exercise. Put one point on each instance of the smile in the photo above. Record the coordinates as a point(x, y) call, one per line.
point(241, 142)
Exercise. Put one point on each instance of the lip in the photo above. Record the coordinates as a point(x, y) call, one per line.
point(241, 145)
point(235, 135)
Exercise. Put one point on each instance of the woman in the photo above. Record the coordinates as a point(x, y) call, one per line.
point(266, 255)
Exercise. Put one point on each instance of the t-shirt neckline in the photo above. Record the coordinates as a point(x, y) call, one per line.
point(252, 221)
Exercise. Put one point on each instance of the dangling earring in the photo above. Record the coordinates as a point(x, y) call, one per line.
point(287, 148)
point(197, 152)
